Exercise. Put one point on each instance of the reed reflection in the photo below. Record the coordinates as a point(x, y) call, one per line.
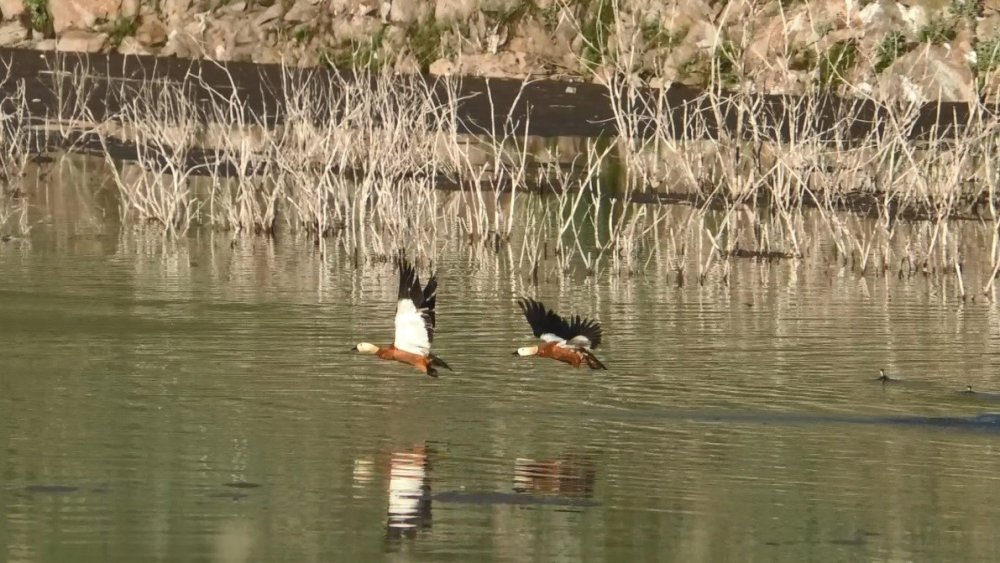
point(409, 508)
point(569, 475)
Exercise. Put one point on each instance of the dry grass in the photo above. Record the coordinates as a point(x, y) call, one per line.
point(364, 179)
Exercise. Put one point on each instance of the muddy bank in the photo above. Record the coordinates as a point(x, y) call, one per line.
point(544, 108)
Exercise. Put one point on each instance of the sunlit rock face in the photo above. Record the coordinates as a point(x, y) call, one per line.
point(885, 49)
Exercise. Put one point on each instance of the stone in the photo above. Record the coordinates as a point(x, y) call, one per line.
point(269, 15)
point(934, 72)
point(450, 11)
point(301, 11)
point(915, 17)
point(175, 12)
point(81, 14)
point(130, 46)
point(81, 41)
point(247, 35)
point(129, 8)
point(181, 44)
point(406, 64)
point(220, 40)
point(781, 37)
point(151, 33)
point(442, 67)
point(267, 55)
point(355, 29)
point(46, 45)
point(12, 33)
point(988, 28)
point(11, 9)
point(409, 11)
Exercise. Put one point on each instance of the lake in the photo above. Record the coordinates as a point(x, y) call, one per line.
point(198, 401)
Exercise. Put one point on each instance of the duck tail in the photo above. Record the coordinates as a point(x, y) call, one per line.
point(436, 361)
point(592, 361)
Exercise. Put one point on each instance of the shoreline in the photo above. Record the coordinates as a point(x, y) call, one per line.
point(542, 108)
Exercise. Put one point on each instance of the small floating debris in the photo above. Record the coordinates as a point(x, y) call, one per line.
point(885, 378)
point(230, 496)
point(51, 489)
point(242, 485)
point(981, 395)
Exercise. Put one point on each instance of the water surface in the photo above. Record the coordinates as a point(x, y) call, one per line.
point(197, 401)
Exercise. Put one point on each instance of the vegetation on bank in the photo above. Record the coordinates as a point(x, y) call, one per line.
point(790, 46)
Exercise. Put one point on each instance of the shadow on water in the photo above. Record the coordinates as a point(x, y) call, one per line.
point(984, 422)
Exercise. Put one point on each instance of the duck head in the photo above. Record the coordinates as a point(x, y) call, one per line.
point(526, 351)
point(365, 348)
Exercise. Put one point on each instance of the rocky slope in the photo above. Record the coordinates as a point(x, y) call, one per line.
point(920, 51)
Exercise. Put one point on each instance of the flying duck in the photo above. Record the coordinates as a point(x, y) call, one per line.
point(414, 324)
point(567, 340)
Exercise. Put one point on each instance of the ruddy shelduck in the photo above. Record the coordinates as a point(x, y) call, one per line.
point(414, 322)
point(567, 340)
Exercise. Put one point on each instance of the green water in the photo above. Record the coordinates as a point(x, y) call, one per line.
point(198, 402)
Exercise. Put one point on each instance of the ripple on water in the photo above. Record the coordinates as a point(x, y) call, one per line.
point(720, 431)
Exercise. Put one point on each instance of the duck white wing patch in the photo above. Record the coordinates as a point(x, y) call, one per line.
point(579, 340)
point(549, 337)
point(411, 332)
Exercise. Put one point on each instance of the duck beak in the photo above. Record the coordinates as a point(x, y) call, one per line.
point(515, 353)
point(353, 349)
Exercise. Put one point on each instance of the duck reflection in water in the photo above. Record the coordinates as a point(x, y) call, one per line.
point(409, 492)
point(569, 475)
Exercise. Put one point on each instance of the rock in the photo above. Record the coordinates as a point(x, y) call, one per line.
point(915, 17)
point(46, 45)
point(247, 35)
point(449, 11)
point(267, 55)
point(988, 28)
point(269, 15)
point(175, 12)
point(12, 33)
point(540, 43)
point(181, 44)
point(934, 72)
point(81, 41)
point(406, 64)
point(301, 11)
point(81, 14)
point(355, 29)
point(151, 33)
point(220, 40)
point(442, 67)
point(11, 9)
point(131, 46)
point(129, 8)
point(409, 11)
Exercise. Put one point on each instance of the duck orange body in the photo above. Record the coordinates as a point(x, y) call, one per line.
point(415, 321)
point(566, 340)
point(572, 356)
point(422, 363)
